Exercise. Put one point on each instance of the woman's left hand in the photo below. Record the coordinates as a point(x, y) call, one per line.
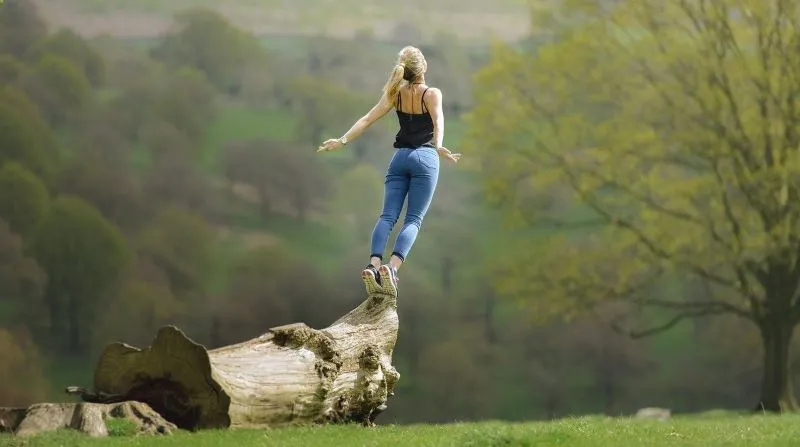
point(445, 152)
point(330, 145)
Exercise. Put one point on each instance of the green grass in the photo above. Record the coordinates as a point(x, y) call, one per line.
point(245, 123)
point(727, 430)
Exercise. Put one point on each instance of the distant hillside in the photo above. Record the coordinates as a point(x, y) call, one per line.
point(475, 20)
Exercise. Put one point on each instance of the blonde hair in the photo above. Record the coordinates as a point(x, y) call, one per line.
point(410, 66)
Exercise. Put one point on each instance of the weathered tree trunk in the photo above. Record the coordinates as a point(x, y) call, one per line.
point(291, 374)
point(89, 418)
point(777, 394)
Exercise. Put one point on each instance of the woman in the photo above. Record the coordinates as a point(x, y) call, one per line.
point(414, 169)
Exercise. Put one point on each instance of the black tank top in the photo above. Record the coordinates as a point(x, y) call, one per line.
point(416, 129)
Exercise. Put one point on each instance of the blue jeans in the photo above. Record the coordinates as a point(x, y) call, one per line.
point(413, 173)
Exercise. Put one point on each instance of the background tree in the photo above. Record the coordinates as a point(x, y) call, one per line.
point(186, 101)
point(20, 27)
point(23, 198)
point(24, 136)
point(60, 89)
point(679, 142)
point(327, 107)
point(270, 286)
point(83, 255)
point(131, 108)
point(21, 379)
point(107, 185)
point(451, 74)
point(207, 41)
point(183, 246)
point(11, 69)
point(612, 358)
point(22, 282)
point(255, 164)
point(353, 199)
point(69, 45)
point(278, 173)
point(461, 355)
point(144, 296)
point(301, 189)
point(174, 177)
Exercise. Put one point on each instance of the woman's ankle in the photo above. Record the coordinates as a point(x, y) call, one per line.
point(375, 261)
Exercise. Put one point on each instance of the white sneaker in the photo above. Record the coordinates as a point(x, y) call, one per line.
point(389, 278)
point(371, 279)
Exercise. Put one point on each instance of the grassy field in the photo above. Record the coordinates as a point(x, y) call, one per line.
point(385, 7)
point(751, 431)
point(468, 19)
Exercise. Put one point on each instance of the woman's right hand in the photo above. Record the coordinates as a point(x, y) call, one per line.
point(330, 145)
point(445, 152)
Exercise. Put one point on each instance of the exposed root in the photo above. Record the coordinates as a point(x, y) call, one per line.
point(89, 418)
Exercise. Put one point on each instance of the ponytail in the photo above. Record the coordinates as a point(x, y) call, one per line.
point(392, 87)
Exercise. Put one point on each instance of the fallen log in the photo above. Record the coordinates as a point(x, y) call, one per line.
point(90, 418)
point(291, 374)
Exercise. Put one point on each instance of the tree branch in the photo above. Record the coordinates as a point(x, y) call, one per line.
point(642, 198)
point(652, 246)
point(748, 292)
point(715, 126)
point(736, 227)
point(552, 222)
point(703, 305)
point(669, 324)
point(590, 201)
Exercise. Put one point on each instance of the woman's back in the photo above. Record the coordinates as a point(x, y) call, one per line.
point(410, 99)
point(416, 124)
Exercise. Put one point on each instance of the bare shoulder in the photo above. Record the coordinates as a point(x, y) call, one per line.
point(435, 91)
point(433, 96)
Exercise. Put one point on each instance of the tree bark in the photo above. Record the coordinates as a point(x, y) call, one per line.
point(291, 374)
point(90, 418)
point(777, 394)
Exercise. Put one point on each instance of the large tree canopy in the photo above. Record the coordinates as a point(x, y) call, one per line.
point(675, 127)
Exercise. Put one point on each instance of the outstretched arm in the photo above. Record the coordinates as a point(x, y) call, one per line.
point(377, 112)
point(433, 102)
